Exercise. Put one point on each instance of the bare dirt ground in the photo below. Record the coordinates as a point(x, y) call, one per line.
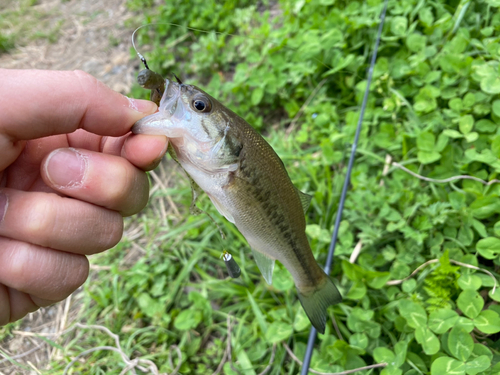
point(93, 37)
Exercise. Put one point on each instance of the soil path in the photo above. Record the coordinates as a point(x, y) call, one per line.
point(93, 38)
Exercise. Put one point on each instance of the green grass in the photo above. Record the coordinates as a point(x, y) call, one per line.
point(434, 107)
point(21, 22)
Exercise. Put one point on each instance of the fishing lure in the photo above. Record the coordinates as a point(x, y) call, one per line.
point(232, 267)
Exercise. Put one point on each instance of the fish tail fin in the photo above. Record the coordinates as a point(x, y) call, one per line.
point(316, 300)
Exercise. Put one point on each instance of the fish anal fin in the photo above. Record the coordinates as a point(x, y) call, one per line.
point(265, 264)
point(305, 200)
point(316, 300)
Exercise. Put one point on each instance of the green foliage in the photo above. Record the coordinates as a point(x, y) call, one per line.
point(441, 285)
point(21, 22)
point(433, 107)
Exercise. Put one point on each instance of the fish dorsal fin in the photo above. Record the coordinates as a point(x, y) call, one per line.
point(305, 200)
point(265, 264)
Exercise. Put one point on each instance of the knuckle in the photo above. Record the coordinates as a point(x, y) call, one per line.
point(18, 264)
point(63, 276)
point(86, 80)
point(40, 220)
point(110, 231)
point(119, 189)
point(138, 194)
point(45, 273)
point(74, 277)
point(89, 85)
point(116, 232)
point(129, 192)
point(90, 91)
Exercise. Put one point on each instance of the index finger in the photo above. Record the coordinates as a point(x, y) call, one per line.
point(39, 103)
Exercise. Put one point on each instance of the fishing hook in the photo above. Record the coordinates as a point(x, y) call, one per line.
point(177, 78)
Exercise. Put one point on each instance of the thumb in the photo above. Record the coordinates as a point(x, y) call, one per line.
point(37, 103)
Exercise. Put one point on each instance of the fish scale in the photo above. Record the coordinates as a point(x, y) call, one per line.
point(248, 184)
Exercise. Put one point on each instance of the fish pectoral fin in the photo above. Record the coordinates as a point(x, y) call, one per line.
point(173, 154)
point(265, 264)
point(305, 200)
point(195, 189)
point(195, 193)
point(222, 210)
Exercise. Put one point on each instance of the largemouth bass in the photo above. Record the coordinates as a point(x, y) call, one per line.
point(248, 184)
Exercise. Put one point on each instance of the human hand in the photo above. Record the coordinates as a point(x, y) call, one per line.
point(68, 173)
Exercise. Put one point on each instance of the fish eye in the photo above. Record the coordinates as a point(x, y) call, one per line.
point(201, 104)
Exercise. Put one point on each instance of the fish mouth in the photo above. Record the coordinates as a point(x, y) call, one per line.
point(170, 96)
point(171, 104)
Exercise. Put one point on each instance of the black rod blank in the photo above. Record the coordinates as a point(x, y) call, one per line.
point(345, 187)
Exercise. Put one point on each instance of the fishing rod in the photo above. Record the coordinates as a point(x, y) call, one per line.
point(313, 333)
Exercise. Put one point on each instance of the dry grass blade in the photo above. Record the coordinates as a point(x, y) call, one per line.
point(397, 282)
point(337, 330)
point(179, 362)
point(19, 356)
point(221, 364)
point(271, 360)
point(356, 251)
point(229, 353)
point(84, 353)
point(143, 365)
point(446, 180)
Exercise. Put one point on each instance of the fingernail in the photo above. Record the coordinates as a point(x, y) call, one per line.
point(163, 151)
point(143, 106)
point(158, 159)
point(66, 167)
point(4, 202)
